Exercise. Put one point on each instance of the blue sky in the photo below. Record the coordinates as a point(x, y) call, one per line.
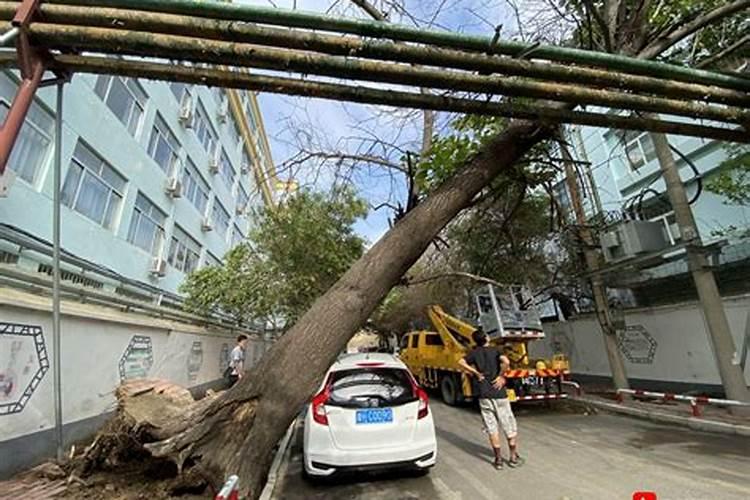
point(316, 124)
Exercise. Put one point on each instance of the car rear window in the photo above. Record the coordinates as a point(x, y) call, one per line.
point(371, 388)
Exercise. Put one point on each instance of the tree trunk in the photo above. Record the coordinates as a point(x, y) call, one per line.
point(237, 432)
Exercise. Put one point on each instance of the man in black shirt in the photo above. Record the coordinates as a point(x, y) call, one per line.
point(487, 365)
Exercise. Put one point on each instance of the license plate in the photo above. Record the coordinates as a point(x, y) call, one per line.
point(375, 416)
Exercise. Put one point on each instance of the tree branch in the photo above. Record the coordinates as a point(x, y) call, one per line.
point(305, 156)
point(591, 9)
point(662, 43)
point(453, 274)
point(723, 54)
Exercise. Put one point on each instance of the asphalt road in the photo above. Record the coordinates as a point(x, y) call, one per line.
point(569, 456)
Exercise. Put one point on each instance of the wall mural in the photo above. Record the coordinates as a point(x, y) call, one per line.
point(23, 363)
point(195, 360)
point(636, 344)
point(137, 359)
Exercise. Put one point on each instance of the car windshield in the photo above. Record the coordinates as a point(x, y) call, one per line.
point(370, 388)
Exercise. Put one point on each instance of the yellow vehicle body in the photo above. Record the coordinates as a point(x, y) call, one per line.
point(433, 358)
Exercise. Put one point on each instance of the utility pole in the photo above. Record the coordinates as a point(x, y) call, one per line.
point(601, 303)
point(720, 335)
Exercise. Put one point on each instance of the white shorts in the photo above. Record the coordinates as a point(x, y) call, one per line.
point(496, 415)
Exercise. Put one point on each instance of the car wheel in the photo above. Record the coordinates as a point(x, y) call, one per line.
point(449, 390)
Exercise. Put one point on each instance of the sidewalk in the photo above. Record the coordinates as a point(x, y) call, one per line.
point(712, 419)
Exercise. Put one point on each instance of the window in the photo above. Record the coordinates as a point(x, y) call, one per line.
point(371, 388)
point(433, 339)
point(124, 97)
point(415, 341)
point(639, 149)
point(203, 129)
point(234, 133)
point(226, 170)
point(404, 342)
point(237, 236)
point(179, 90)
point(196, 189)
point(184, 251)
point(211, 260)
point(163, 146)
point(220, 218)
point(92, 187)
point(32, 146)
point(242, 198)
point(147, 226)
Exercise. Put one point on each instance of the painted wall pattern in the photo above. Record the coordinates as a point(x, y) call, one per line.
point(138, 358)
point(23, 364)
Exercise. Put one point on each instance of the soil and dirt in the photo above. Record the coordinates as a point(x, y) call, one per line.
point(115, 464)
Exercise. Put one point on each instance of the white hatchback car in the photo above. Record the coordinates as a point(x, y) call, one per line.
point(369, 414)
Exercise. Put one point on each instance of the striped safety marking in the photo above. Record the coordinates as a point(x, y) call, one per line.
point(534, 373)
point(541, 396)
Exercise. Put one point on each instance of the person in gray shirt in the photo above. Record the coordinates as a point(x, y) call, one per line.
point(237, 360)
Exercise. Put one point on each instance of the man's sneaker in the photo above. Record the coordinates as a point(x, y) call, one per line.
point(498, 464)
point(516, 462)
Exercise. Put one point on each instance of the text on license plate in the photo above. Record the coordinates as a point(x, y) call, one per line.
point(375, 416)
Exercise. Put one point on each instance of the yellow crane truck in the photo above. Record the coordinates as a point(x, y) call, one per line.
point(511, 321)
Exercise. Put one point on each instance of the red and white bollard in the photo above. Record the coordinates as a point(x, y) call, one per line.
point(230, 490)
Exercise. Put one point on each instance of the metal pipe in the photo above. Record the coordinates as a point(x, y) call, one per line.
point(369, 95)
point(680, 397)
point(121, 42)
point(229, 31)
point(56, 341)
point(17, 113)
point(371, 28)
point(574, 385)
point(8, 36)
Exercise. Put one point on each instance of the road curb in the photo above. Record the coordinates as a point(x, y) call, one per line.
point(700, 424)
point(278, 461)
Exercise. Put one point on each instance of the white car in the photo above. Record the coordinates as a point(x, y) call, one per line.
point(369, 414)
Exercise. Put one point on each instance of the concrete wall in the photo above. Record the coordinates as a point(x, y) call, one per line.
point(664, 347)
point(100, 348)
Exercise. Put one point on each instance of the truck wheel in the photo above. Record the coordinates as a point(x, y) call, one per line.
point(449, 390)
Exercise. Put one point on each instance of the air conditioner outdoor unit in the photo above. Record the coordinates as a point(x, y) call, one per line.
point(214, 160)
point(159, 267)
point(206, 225)
point(223, 112)
point(187, 109)
point(630, 238)
point(174, 187)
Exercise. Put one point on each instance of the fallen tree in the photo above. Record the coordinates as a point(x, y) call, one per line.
point(236, 432)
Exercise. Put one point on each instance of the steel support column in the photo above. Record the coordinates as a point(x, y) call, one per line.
point(56, 343)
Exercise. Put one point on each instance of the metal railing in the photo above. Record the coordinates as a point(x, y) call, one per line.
point(86, 280)
point(695, 401)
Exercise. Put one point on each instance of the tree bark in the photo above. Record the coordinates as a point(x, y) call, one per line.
point(237, 432)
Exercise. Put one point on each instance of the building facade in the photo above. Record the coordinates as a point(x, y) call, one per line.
point(620, 178)
point(158, 178)
point(626, 177)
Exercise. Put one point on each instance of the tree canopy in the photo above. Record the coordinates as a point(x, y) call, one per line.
point(295, 253)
